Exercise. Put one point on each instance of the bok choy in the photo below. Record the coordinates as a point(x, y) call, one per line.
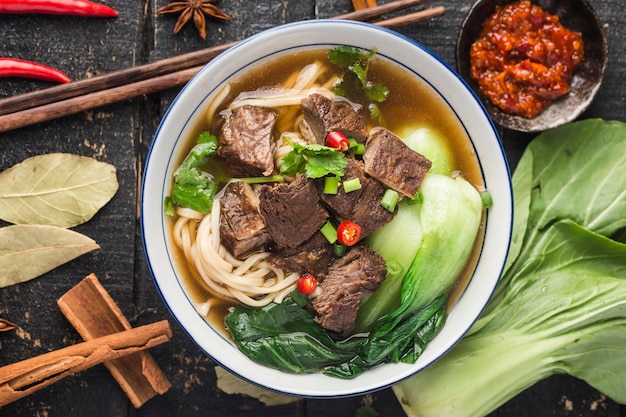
point(560, 306)
point(286, 337)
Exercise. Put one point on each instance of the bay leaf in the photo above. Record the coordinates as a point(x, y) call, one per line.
point(29, 251)
point(230, 384)
point(56, 189)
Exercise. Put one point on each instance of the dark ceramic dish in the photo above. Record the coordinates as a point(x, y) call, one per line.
point(576, 15)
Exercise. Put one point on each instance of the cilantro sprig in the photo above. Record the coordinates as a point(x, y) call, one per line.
point(356, 64)
point(192, 187)
point(314, 160)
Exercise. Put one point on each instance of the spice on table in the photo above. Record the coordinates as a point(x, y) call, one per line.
point(21, 379)
point(12, 67)
point(93, 313)
point(61, 7)
point(195, 10)
point(525, 58)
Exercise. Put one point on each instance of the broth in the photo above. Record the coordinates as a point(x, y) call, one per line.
point(411, 102)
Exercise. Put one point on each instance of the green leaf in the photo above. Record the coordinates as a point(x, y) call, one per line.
point(315, 160)
point(577, 173)
point(345, 56)
point(355, 79)
point(561, 305)
point(285, 336)
point(28, 251)
point(56, 189)
point(192, 188)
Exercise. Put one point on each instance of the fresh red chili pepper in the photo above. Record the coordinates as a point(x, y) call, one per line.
point(338, 141)
point(307, 284)
point(63, 7)
point(348, 233)
point(11, 67)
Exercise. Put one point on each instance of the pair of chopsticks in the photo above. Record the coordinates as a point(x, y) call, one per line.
point(65, 99)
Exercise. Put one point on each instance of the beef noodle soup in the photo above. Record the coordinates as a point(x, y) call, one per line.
point(271, 217)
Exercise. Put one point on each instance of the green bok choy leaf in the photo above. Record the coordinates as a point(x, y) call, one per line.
point(560, 306)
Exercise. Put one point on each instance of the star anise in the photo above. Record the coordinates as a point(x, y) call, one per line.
point(193, 10)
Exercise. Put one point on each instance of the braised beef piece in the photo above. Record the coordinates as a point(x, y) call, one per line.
point(313, 257)
point(324, 115)
point(245, 141)
point(361, 206)
point(350, 278)
point(242, 228)
point(292, 211)
point(389, 160)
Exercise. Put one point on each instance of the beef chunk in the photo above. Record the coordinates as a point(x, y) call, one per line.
point(242, 228)
point(313, 257)
point(323, 115)
point(292, 211)
point(361, 206)
point(245, 141)
point(389, 160)
point(350, 278)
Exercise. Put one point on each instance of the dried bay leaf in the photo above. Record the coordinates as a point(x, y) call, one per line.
point(231, 384)
point(28, 251)
point(56, 189)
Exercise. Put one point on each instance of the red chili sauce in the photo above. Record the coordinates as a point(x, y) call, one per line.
point(524, 58)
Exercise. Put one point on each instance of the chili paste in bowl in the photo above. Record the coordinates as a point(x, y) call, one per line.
point(535, 65)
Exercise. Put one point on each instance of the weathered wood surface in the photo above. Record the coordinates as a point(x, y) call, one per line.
point(121, 133)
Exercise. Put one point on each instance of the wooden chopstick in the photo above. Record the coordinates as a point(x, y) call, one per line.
point(161, 67)
point(65, 99)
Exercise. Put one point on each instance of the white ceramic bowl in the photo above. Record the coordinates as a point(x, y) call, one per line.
point(168, 147)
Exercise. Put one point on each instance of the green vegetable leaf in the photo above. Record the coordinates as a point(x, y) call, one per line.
point(315, 160)
point(356, 63)
point(28, 251)
point(285, 337)
point(193, 188)
point(561, 305)
point(345, 56)
point(57, 189)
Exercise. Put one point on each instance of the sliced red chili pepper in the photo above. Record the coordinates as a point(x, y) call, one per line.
point(62, 7)
point(337, 140)
point(11, 67)
point(348, 233)
point(307, 284)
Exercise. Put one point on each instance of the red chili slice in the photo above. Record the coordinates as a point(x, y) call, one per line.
point(307, 284)
point(337, 140)
point(348, 233)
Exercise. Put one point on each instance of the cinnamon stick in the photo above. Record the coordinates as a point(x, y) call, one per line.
point(93, 313)
point(20, 379)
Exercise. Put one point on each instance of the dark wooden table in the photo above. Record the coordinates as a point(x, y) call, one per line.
point(121, 134)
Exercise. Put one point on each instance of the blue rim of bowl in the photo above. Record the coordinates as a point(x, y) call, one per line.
point(233, 50)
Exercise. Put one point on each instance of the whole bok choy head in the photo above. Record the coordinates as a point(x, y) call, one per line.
point(561, 305)
point(410, 309)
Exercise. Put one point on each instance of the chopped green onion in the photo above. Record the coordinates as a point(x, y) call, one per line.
point(329, 232)
point(486, 198)
point(355, 147)
point(331, 185)
point(262, 180)
point(352, 185)
point(390, 199)
point(339, 249)
point(417, 199)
